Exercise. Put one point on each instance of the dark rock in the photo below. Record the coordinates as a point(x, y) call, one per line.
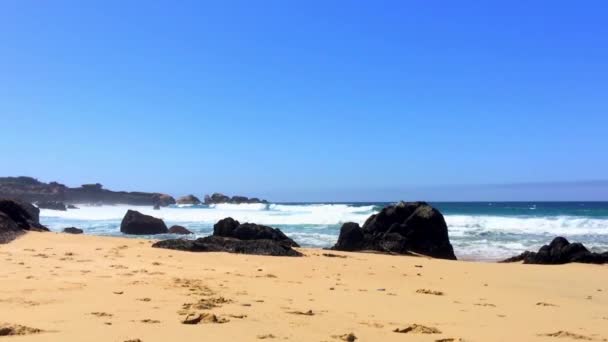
point(136, 223)
point(217, 198)
point(404, 228)
point(156, 206)
point(52, 205)
point(190, 199)
point(351, 238)
point(24, 215)
point(229, 227)
point(16, 217)
point(179, 230)
point(231, 236)
point(71, 206)
point(163, 200)
point(230, 245)
point(561, 251)
point(73, 230)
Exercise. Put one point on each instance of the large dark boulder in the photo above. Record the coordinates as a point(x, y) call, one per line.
point(52, 205)
point(404, 228)
point(561, 251)
point(179, 230)
point(16, 217)
point(25, 215)
point(136, 223)
point(230, 245)
point(189, 199)
point(229, 227)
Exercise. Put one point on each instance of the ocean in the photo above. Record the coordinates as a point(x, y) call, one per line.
point(486, 231)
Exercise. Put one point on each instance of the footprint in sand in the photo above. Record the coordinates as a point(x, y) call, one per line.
point(196, 318)
point(350, 337)
point(417, 329)
point(17, 330)
point(302, 313)
point(430, 292)
point(545, 304)
point(101, 314)
point(567, 334)
point(150, 321)
point(266, 336)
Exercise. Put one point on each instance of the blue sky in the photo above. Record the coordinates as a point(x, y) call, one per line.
point(308, 100)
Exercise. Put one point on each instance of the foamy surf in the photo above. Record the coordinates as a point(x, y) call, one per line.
point(474, 236)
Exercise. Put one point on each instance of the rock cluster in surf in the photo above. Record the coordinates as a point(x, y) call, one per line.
point(560, 251)
point(218, 198)
point(404, 228)
point(231, 236)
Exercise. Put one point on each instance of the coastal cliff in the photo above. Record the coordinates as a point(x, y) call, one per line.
point(32, 190)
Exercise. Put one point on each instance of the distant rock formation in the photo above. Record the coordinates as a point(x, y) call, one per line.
point(52, 205)
point(561, 251)
point(179, 230)
point(31, 190)
point(404, 228)
point(232, 237)
point(189, 199)
point(17, 217)
point(136, 223)
point(217, 198)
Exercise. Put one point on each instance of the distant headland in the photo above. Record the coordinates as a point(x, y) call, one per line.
point(32, 190)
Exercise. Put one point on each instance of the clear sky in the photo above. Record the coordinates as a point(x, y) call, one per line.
point(308, 100)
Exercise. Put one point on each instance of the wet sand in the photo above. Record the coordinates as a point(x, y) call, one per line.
point(60, 287)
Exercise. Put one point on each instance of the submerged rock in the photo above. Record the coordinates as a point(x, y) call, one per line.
point(230, 245)
point(52, 205)
point(560, 251)
point(73, 230)
point(179, 230)
point(189, 199)
point(404, 228)
point(136, 223)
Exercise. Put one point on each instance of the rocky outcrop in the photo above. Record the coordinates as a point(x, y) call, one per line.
point(230, 245)
point(229, 227)
point(136, 223)
point(31, 190)
point(71, 206)
point(218, 198)
point(561, 251)
point(179, 230)
point(404, 228)
point(189, 199)
point(17, 217)
point(231, 236)
point(73, 230)
point(52, 205)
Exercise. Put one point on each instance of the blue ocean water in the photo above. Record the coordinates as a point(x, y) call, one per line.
point(478, 230)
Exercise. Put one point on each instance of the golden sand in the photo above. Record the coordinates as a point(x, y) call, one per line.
point(60, 287)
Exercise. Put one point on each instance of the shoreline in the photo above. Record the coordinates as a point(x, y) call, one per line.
point(84, 287)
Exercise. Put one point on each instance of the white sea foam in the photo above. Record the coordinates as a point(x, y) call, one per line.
point(273, 214)
point(318, 225)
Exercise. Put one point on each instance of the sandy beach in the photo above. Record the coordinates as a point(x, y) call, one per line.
point(89, 288)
